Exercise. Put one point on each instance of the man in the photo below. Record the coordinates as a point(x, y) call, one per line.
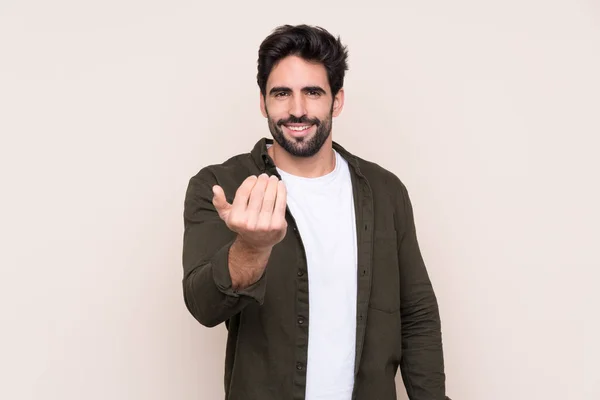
point(309, 253)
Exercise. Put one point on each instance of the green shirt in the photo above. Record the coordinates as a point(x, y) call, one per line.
point(398, 323)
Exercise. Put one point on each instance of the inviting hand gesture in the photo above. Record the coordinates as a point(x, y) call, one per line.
point(257, 214)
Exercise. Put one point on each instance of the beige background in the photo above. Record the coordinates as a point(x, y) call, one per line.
point(488, 111)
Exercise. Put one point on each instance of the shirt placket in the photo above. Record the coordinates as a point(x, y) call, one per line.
point(301, 306)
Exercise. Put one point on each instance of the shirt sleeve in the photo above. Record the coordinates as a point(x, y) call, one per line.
point(422, 363)
point(207, 286)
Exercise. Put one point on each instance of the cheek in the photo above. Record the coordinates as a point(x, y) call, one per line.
point(276, 110)
point(320, 111)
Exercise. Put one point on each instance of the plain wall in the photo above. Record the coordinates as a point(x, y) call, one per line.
point(488, 111)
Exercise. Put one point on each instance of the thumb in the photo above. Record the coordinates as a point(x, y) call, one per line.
point(219, 201)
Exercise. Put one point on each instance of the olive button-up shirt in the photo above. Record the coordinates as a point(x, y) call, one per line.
point(398, 323)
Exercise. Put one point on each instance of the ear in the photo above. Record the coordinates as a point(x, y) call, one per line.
point(338, 103)
point(263, 108)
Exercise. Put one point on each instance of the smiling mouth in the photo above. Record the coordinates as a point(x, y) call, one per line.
point(298, 128)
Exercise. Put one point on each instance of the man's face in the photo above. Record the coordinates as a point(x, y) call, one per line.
point(299, 105)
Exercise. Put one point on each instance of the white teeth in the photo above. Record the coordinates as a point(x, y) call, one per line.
point(298, 128)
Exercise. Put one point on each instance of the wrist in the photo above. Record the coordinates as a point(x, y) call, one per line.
point(250, 248)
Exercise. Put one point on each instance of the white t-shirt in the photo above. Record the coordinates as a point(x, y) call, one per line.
point(323, 208)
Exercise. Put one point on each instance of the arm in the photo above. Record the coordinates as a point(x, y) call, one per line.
point(208, 246)
point(226, 247)
point(422, 364)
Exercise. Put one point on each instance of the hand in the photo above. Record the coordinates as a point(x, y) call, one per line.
point(257, 214)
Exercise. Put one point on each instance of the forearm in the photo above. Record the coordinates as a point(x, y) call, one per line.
point(422, 364)
point(246, 264)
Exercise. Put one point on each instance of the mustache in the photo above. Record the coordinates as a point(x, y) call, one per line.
point(302, 120)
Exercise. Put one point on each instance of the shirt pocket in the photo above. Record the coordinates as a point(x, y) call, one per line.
point(385, 283)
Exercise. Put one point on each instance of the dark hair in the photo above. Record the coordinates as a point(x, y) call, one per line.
point(312, 43)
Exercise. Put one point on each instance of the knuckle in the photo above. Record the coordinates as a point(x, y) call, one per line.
point(261, 227)
point(278, 226)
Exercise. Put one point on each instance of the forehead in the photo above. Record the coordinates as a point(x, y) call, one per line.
point(295, 72)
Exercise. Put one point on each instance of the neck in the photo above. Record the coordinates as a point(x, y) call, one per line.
point(318, 165)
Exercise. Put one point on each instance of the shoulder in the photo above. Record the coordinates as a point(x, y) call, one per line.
point(236, 168)
point(381, 180)
point(377, 174)
point(390, 195)
point(388, 190)
point(229, 175)
point(385, 184)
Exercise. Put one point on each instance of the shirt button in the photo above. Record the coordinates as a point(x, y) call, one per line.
point(299, 367)
point(300, 273)
point(300, 320)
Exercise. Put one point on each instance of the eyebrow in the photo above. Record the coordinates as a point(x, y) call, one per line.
point(285, 89)
point(314, 89)
point(279, 89)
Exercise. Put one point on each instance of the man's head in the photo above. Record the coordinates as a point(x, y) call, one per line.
point(301, 76)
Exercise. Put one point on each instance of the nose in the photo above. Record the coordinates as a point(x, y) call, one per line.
point(297, 106)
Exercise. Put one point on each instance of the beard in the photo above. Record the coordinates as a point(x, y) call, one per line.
point(305, 146)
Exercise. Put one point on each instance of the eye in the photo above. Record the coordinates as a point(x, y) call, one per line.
point(313, 93)
point(281, 94)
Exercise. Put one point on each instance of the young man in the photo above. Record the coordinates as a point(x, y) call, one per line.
point(309, 253)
